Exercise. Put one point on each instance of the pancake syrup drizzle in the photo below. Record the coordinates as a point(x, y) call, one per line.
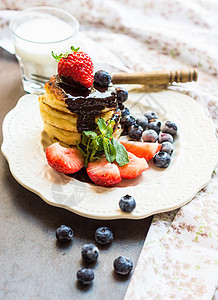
point(87, 103)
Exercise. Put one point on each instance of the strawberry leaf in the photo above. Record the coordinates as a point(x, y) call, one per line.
point(57, 57)
point(74, 49)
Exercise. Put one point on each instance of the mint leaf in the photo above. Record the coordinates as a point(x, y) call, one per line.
point(94, 144)
point(113, 151)
point(109, 150)
point(81, 150)
point(89, 145)
point(109, 130)
point(102, 126)
point(121, 153)
point(100, 143)
point(90, 134)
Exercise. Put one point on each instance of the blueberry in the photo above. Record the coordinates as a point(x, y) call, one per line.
point(170, 127)
point(125, 112)
point(127, 203)
point(162, 159)
point(64, 234)
point(165, 137)
point(103, 235)
point(89, 253)
point(155, 125)
point(127, 121)
point(123, 265)
point(135, 132)
point(102, 78)
point(85, 276)
point(149, 136)
point(122, 95)
point(167, 147)
point(142, 121)
point(151, 115)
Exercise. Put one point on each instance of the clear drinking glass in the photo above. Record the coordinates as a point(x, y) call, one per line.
point(36, 32)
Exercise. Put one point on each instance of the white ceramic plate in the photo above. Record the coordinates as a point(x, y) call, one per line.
point(155, 191)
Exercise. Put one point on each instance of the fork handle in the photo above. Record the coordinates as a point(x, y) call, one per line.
point(156, 77)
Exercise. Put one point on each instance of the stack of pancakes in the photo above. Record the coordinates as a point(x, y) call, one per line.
point(67, 111)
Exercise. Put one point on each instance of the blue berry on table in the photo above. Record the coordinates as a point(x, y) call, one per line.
point(122, 95)
point(127, 121)
point(142, 121)
point(90, 253)
point(150, 136)
point(162, 159)
point(103, 235)
point(167, 147)
point(102, 78)
point(151, 115)
point(85, 276)
point(64, 234)
point(123, 265)
point(165, 137)
point(170, 127)
point(125, 112)
point(155, 125)
point(127, 203)
point(135, 132)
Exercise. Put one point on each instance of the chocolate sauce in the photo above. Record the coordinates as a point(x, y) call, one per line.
point(87, 103)
point(81, 175)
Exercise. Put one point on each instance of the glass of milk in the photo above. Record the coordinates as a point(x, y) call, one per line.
point(36, 32)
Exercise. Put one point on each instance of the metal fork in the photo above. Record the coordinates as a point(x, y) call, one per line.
point(39, 78)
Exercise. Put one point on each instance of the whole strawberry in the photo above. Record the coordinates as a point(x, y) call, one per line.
point(75, 68)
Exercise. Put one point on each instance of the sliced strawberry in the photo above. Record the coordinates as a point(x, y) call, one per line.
point(64, 160)
point(141, 149)
point(103, 173)
point(134, 168)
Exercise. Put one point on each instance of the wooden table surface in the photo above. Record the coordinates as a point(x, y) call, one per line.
point(32, 264)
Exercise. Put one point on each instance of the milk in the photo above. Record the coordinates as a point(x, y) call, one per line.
point(39, 38)
point(36, 32)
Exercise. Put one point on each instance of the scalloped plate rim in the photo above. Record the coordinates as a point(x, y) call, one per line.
point(81, 211)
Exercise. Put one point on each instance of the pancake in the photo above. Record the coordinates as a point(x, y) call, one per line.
point(67, 111)
point(63, 120)
point(59, 95)
point(67, 138)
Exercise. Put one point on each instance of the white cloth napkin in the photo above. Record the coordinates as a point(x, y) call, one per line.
point(5, 38)
point(178, 258)
point(182, 263)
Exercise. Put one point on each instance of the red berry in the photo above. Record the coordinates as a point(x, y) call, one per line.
point(142, 149)
point(64, 160)
point(134, 168)
point(103, 173)
point(77, 66)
